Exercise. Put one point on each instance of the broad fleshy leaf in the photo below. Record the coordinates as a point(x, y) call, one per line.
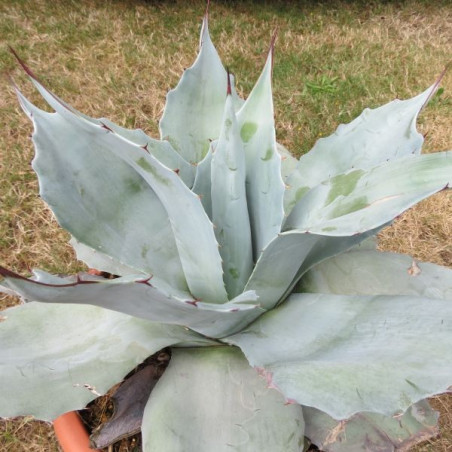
point(366, 272)
point(365, 199)
point(295, 252)
point(100, 261)
point(265, 188)
point(139, 298)
point(160, 149)
point(68, 355)
point(203, 182)
point(376, 136)
point(229, 206)
point(370, 431)
point(203, 272)
point(370, 244)
point(183, 220)
point(240, 412)
point(105, 205)
point(337, 352)
point(194, 109)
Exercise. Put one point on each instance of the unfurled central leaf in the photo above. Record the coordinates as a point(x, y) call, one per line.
point(229, 204)
point(265, 188)
point(193, 111)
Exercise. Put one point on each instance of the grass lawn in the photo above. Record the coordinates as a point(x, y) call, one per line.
point(119, 58)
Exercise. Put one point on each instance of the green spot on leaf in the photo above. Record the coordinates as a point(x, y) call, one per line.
point(268, 155)
point(300, 193)
point(349, 206)
point(144, 251)
point(150, 169)
point(234, 273)
point(173, 143)
point(247, 131)
point(133, 185)
point(329, 229)
point(204, 151)
point(343, 185)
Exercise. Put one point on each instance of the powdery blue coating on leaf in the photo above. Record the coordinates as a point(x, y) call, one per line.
point(277, 266)
point(56, 358)
point(331, 352)
point(375, 273)
point(137, 297)
point(203, 183)
point(193, 110)
point(376, 136)
point(229, 205)
point(327, 350)
point(114, 212)
point(203, 272)
point(295, 252)
point(238, 411)
point(103, 262)
point(193, 230)
point(264, 185)
point(162, 150)
point(365, 199)
point(371, 431)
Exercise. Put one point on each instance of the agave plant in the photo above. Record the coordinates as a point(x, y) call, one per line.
point(259, 271)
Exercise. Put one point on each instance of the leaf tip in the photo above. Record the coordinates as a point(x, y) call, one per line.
point(24, 65)
point(437, 83)
point(229, 89)
point(205, 26)
point(272, 47)
point(7, 273)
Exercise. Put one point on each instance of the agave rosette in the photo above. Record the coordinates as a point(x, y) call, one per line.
point(249, 263)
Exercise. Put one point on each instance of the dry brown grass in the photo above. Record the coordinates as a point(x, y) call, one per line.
point(423, 232)
point(27, 435)
point(119, 58)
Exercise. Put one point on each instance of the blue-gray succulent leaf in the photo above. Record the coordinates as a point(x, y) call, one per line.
point(383, 134)
point(56, 358)
point(242, 413)
point(138, 297)
point(371, 272)
point(336, 352)
point(373, 431)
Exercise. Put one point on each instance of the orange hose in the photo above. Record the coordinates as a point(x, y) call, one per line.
point(71, 433)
